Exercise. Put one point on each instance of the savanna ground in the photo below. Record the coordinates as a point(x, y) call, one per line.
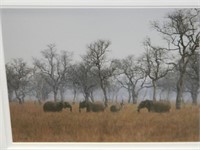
point(31, 124)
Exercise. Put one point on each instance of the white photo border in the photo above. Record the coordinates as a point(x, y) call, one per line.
point(6, 142)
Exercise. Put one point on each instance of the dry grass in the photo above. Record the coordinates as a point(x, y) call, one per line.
point(31, 124)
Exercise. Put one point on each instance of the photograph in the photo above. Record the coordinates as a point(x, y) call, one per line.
point(106, 75)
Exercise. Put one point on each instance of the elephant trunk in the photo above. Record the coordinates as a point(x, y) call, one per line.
point(71, 109)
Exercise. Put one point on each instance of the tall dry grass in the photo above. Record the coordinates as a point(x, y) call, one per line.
point(31, 124)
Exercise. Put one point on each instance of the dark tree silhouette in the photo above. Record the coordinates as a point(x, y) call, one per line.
point(182, 32)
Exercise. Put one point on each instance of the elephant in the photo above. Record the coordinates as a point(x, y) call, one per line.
point(152, 106)
point(91, 106)
point(67, 105)
point(116, 107)
point(55, 106)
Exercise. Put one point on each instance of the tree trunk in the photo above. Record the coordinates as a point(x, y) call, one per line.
point(18, 97)
point(86, 96)
point(74, 97)
point(20, 101)
point(154, 90)
point(134, 96)
point(168, 93)
point(104, 91)
point(102, 84)
point(129, 95)
point(161, 93)
point(62, 93)
point(194, 95)
point(23, 97)
point(10, 95)
point(92, 96)
point(55, 92)
point(105, 96)
point(179, 91)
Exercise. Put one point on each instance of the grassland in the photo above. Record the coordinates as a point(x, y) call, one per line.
point(31, 124)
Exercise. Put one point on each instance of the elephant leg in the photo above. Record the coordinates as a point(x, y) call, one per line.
point(149, 109)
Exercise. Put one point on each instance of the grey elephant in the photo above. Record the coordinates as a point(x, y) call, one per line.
point(91, 106)
point(116, 107)
point(55, 106)
point(154, 106)
point(67, 105)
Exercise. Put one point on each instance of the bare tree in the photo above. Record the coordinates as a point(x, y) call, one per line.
point(167, 84)
point(192, 78)
point(113, 89)
point(54, 66)
point(156, 64)
point(96, 55)
point(10, 82)
point(74, 80)
point(81, 74)
point(131, 76)
point(182, 32)
point(40, 87)
point(62, 89)
point(18, 75)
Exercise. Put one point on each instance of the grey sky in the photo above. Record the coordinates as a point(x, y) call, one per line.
point(27, 31)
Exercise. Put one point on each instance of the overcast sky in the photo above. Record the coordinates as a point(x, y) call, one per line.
point(27, 31)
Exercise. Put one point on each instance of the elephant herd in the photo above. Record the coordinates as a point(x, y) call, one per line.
point(151, 106)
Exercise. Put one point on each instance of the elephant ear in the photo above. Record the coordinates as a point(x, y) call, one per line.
point(60, 104)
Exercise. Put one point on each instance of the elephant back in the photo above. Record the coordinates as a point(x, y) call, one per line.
point(96, 106)
point(52, 106)
point(91, 106)
point(161, 106)
point(116, 107)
